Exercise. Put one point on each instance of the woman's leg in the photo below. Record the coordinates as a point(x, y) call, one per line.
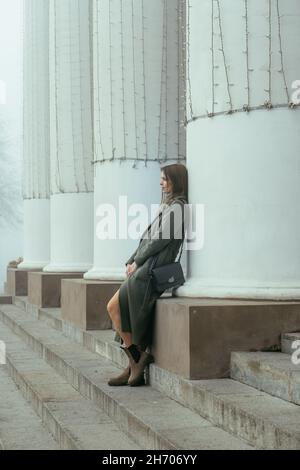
point(113, 308)
point(138, 360)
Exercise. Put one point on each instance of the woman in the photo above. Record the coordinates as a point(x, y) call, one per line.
point(131, 309)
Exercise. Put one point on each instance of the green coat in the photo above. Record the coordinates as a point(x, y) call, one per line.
point(137, 297)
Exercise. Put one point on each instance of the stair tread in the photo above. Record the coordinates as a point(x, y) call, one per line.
point(276, 360)
point(54, 312)
point(181, 426)
point(275, 373)
point(20, 427)
point(89, 426)
point(218, 386)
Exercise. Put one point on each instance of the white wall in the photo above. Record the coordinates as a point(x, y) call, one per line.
point(11, 207)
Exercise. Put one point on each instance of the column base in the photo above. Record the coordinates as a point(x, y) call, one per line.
point(83, 303)
point(44, 289)
point(66, 268)
point(17, 281)
point(36, 266)
point(198, 288)
point(5, 299)
point(106, 275)
point(195, 338)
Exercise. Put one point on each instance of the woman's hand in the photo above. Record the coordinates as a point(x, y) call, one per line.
point(130, 268)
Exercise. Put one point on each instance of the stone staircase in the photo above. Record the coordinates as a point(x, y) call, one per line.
point(62, 372)
point(20, 427)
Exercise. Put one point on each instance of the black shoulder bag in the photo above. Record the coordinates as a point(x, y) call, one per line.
point(168, 276)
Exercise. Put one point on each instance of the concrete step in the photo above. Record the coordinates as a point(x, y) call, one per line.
point(235, 407)
point(20, 427)
point(273, 373)
point(149, 417)
point(288, 344)
point(75, 422)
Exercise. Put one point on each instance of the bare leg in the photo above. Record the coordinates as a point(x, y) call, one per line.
point(113, 309)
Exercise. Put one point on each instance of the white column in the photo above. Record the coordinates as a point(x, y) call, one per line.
point(36, 136)
point(138, 122)
point(243, 147)
point(71, 137)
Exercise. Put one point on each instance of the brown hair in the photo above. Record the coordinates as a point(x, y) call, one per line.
point(177, 175)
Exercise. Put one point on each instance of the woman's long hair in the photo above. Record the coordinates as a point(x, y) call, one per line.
point(177, 175)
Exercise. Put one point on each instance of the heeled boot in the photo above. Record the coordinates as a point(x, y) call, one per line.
point(121, 379)
point(137, 368)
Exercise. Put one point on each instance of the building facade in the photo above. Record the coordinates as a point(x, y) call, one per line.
point(116, 89)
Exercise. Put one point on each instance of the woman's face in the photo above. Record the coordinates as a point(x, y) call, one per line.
point(165, 184)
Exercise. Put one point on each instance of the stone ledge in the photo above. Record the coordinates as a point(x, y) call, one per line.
point(17, 281)
point(44, 289)
point(172, 339)
point(5, 299)
point(195, 337)
point(83, 303)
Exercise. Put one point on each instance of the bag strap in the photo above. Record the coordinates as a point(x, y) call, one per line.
point(155, 257)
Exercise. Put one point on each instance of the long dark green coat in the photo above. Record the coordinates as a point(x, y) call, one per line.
point(137, 297)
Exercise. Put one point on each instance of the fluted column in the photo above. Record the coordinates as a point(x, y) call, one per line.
point(36, 190)
point(138, 117)
point(71, 136)
point(243, 147)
